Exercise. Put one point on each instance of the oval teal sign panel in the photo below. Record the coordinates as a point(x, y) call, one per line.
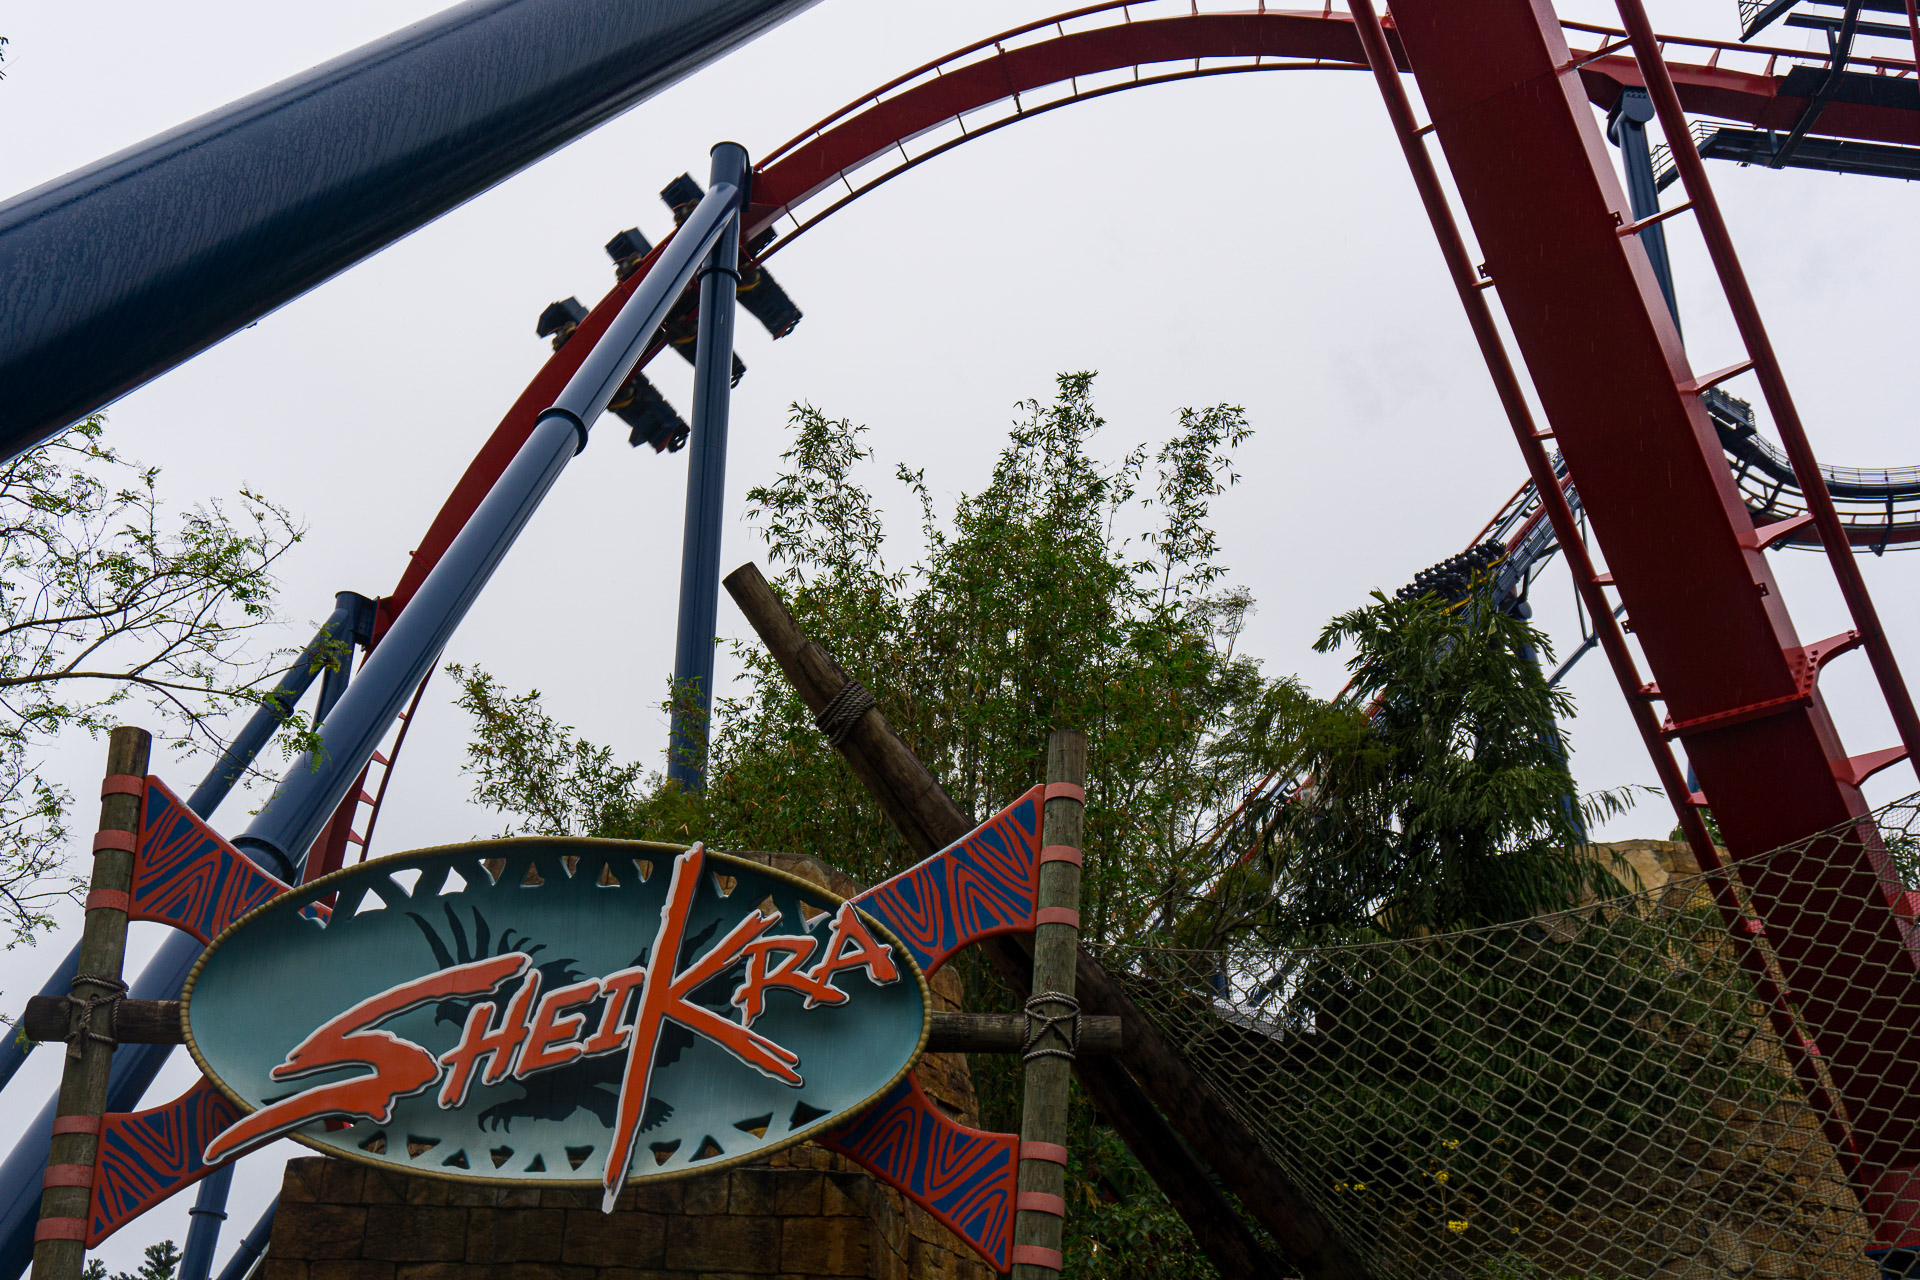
point(553, 1011)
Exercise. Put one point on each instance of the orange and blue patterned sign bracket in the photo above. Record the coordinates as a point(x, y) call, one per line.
point(984, 884)
point(146, 1156)
point(186, 876)
point(964, 1177)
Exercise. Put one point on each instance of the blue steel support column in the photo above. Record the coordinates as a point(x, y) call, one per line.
point(1627, 126)
point(117, 272)
point(348, 625)
point(210, 1201)
point(334, 681)
point(335, 632)
point(252, 1246)
point(203, 1223)
point(280, 834)
point(294, 817)
point(706, 493)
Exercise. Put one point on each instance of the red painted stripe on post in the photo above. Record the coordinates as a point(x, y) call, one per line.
point(122, 784)
point(120, 840)
point(1034, 1256)
point(1052, 1152)
point(109, 900)
point(68, 1175)
point(1057, 915)
point(1066, 791)
point(1062, 853)
point(1041, 1202)
point(60, 1229)
point(76, 1124)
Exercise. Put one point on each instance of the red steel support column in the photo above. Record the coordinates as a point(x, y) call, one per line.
point(1913, 29)
point(1553, 499)
point(1534, 176)
point(1559, 512)
point(1773, 382)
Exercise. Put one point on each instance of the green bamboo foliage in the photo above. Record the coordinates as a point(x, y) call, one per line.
point(1436, 795)
point(1071, 591)
point(1065, 592)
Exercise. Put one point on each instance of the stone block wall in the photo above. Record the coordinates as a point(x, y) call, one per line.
point(794, 1221)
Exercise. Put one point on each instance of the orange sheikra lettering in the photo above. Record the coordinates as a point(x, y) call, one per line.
point(763, 971)
point(554, 1040)
point(849, 946)
point(619, 989)
point(482, 1038)
point(663, 998)
point(400, 1067)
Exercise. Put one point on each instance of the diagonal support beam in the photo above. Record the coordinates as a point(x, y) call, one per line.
point(1159, 1107)
point(1524, 148)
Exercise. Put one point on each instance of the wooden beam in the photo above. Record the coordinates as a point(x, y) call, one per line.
point(1160, 1108)
point(135, 1021)
point(60, 1236)
point(1006, 1032)
point(158, 1022)
point(1053, 1016)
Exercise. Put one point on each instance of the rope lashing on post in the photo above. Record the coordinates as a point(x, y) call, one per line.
point(839, 716)
point(1041, 1025)
point(82, 1030)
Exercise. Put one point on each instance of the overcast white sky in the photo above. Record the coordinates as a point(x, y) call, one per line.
point(1248, 239)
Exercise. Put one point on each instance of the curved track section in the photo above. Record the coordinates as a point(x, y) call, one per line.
point(1879, 506)
point(1119, 45)
point(1075, 57)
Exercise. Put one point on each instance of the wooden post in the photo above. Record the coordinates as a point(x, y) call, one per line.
point(60, 1238)
point(1160, 1108)
point(1053, 1016)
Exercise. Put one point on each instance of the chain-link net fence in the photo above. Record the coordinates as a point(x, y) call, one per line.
point(1654, 1086)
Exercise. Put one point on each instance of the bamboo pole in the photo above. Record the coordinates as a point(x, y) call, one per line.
point(60, 1238)
point(1155, 1079)
point(1053, 1016)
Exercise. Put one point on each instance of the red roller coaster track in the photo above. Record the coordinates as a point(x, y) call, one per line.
point(1039, 67)
point(1511, 108)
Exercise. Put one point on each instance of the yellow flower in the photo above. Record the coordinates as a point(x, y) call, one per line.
point(1451, 1144)
point(1359, 1186)
point(1442, 1176)
point(1456, 1225)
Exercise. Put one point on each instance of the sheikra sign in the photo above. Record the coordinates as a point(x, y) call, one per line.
point(553, 1011)
point(566, 1012)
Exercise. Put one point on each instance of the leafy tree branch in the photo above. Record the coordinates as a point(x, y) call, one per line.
point(107, 596)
